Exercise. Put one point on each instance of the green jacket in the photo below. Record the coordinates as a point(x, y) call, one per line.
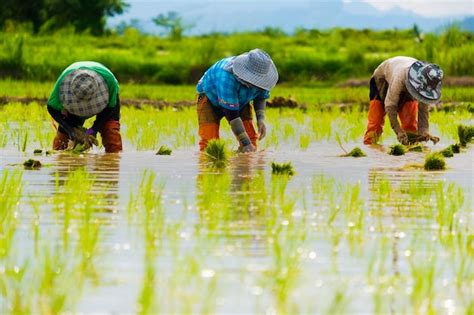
point(112, 83)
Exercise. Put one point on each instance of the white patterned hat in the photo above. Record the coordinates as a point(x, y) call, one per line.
point(257, 68)
point(424, 82)
point(84, 93)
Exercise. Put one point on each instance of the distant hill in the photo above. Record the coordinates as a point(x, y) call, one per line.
point(231, 15)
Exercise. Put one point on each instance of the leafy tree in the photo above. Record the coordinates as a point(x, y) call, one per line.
point(173, 23)
point(83, 15)
point(22, 11)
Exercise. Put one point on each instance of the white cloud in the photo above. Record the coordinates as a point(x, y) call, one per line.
point(431, 8)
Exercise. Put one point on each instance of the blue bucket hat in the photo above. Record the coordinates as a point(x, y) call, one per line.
point(257, 68)
point(424, 82)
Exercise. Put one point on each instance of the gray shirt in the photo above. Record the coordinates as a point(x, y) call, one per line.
point(390, 77)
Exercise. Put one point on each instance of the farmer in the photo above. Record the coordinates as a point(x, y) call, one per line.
point(83, 90)
point(403, 86)
point(227, 88)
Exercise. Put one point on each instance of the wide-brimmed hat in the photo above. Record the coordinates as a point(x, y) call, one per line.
point(84, 93)
point(257, 68)
point(424, 82)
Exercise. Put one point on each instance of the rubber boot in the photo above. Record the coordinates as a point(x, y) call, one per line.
point(250, 129)
point(111, 138)
point(376, 119)
point(207, 132)
point(61, 140)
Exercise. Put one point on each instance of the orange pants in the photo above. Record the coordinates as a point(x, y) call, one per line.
point(209, 121)
point(408, 115)
point(110, 133)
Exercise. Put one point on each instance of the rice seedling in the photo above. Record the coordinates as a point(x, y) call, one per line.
point(415, 148)
point(447, 152)
point(456, 148)
point(31, 164)
point(164, 150)
point(434, 161)
point(356, 152)
point(217, 153)
point(397, 149)
point(283, 168)
point(465, 134)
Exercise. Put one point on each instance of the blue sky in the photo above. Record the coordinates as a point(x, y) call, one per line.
point(243, 15)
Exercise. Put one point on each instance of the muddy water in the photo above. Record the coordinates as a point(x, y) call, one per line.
point(236, 251)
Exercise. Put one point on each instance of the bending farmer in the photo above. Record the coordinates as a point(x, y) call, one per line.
point(83, 90)
point(227, 88)
point(403, 86)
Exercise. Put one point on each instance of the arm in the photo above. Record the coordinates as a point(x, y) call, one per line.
point(237, 126)
point(107, 114)
point(259, 105)
point(423, 119)
point(61, 120)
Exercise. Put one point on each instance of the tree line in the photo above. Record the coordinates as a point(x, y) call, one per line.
point(49, 15)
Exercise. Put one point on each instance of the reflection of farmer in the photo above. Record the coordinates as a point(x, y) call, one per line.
point(405, 86)
point(83, 90)
point(227, 88)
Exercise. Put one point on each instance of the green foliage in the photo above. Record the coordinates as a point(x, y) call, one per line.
point(434, 161)
point(397, 149)
point(48, 15)
point(173, 23)
point(283, 169)
point(164, 150)
point(305, 57)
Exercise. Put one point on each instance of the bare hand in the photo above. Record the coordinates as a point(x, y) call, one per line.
point(402, 137)
point(248, 148)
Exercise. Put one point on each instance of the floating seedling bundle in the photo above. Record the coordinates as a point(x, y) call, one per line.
point(217, 153)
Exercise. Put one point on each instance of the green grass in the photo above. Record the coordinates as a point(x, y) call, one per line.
point(307, 55)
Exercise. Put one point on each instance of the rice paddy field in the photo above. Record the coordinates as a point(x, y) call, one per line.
point(143, 233)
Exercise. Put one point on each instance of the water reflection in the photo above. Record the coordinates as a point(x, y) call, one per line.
point(104, 171)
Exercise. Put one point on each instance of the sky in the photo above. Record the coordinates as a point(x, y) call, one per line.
point(242, 15)
point(428, 8)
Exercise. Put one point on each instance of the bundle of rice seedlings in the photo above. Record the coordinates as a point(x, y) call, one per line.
point(447, 152)
point(356, 152)
point(164, 150)
point(283, 168)
point(217, 153)
point(397, 149)
point(465, 134)
point(31, 164)
point(434, 161)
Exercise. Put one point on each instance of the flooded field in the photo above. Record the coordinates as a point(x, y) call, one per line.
point(137, 232)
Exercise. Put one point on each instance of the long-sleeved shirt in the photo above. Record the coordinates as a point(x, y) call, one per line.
point(67, 122)
point(224, 90)
point(390, 77)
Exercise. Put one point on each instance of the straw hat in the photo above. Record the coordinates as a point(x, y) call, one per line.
point(257, 68)
point(84, 93)
point(424, 82)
